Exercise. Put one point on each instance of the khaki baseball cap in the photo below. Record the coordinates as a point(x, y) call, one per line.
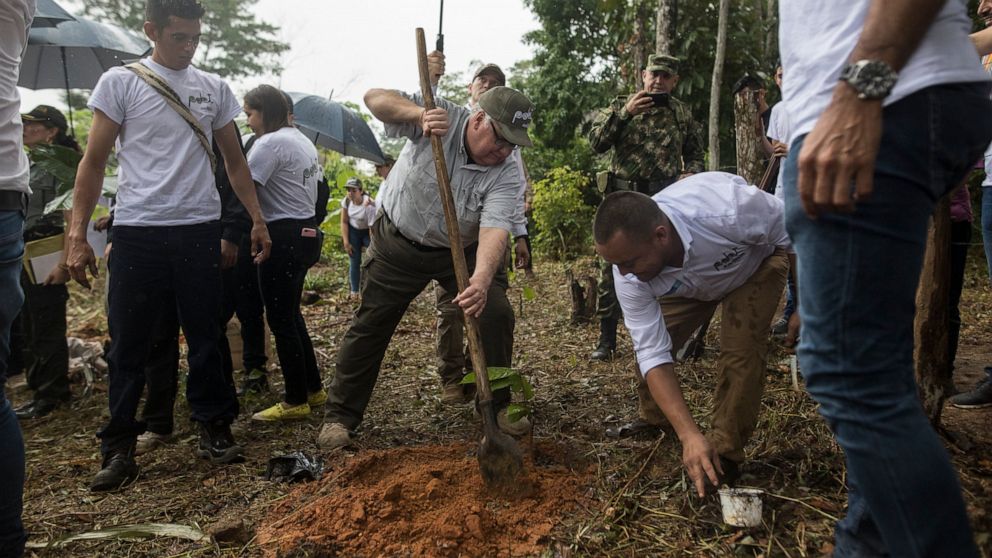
point(510, 111)
point(490, 69)
point(663, 63)
point(353, 182)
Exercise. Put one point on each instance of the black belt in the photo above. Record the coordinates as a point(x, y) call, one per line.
point(423, 247)
point(12, 200)
point(644, 186)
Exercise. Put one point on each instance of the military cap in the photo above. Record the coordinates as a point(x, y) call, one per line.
point(663, 63)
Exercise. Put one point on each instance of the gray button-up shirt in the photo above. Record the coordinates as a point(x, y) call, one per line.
point(485, 196)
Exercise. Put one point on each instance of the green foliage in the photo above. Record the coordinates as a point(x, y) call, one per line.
point(454, 87)
point(562, 219)
point(234, 43)
point(584, 57)
point(501, 378)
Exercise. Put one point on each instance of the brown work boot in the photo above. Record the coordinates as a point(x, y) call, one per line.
point(455, 394)
point(333, 435)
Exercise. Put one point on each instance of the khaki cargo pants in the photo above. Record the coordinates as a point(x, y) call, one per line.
point(740, 373)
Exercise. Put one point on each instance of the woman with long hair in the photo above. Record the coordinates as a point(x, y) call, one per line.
point(284, 166)
point(38, 340)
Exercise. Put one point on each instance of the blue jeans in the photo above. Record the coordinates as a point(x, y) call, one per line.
point(987, 226)
point(155, 270)
point(359, 239)
point(11, 443)
point(858, 275)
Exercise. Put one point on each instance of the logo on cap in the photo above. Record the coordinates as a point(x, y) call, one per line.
point(525, 116)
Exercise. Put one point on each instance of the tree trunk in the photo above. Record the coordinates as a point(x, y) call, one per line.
point(721, 54)
point(931, 353)
point(771, 30)
point(750, 162)
point(639, 56)
point(662, 37)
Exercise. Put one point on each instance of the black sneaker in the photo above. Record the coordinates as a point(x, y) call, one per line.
point(977, 398)
point(36, 409)
point(217, 444)
point(119, 470)
point(603, 352)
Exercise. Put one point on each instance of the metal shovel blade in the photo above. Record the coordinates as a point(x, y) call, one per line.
point(499, 455)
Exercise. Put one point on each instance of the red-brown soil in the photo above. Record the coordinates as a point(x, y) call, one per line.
point(424, 501)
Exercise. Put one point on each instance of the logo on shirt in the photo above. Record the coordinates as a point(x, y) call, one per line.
point(312, 170)
point(200, 99)
point(730, 257)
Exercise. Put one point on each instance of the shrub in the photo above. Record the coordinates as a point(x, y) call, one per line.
point(562, 220)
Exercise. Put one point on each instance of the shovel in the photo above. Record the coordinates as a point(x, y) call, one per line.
point(499, 455)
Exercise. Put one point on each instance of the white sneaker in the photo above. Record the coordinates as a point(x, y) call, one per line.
point(151, 441)
point(333, 435)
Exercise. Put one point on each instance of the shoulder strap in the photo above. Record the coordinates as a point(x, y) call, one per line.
point(173, 100)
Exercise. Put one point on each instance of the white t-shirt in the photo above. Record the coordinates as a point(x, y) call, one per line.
point(165, 177)
point(816, 38)
point(780, 129)
point(15, 19)
point(727, 227)
point(360, 216)
point(285, 163)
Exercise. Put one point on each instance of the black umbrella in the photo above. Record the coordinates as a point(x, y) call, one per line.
point(74, 54)
point(49, 14)
point(336, 127)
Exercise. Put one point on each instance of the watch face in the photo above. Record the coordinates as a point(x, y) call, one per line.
point(873, 79)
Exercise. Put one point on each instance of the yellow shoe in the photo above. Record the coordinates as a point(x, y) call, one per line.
point(317, 398)
point(281, 411)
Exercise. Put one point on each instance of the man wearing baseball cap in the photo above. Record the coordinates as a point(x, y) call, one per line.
point(411, 245)
point(451, 355)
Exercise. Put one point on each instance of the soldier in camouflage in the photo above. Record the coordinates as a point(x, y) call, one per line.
point(655, 141)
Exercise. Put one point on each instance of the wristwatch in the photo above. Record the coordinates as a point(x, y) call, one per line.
point(872, 79)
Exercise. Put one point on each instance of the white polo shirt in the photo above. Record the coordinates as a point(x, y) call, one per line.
point(165, 177)
point(728, 228)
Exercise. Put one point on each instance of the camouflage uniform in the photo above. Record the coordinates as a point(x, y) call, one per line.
point(649, 147)
point(648, 154)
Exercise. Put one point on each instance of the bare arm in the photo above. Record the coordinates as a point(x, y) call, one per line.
point(844, 143)
point(488, 258)
point(89, 183)
point(699, 457)
point(344, 230)
point(244, 188)
point(983, 41)
point(392, 108)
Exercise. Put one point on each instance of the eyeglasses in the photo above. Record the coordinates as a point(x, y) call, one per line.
point(184, 39)
point(500, 142)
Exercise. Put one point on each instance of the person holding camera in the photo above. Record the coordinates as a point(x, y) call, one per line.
point(654, 141)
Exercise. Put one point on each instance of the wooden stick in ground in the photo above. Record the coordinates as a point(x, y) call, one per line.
point(499, 455)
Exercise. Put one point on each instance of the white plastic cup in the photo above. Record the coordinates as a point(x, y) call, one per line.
point(741, 506)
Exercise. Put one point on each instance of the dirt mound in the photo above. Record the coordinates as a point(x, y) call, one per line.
point(423, 501)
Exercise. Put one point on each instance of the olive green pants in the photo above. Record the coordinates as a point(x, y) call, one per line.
point(746, 315)
point(393, 274)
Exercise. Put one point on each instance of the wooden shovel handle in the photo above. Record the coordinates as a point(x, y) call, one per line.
point(454, 234)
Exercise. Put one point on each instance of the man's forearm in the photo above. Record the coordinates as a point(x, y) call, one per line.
point(392, 108)
point(667, 394)
point(893, 30)
point(86, 191)
point(489, 255)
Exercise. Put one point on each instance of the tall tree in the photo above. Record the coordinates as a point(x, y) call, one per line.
point(234, 43)
point(663, 27)
point(716, 83)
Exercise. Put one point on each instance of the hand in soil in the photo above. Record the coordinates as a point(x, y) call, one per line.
point(701, 462)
